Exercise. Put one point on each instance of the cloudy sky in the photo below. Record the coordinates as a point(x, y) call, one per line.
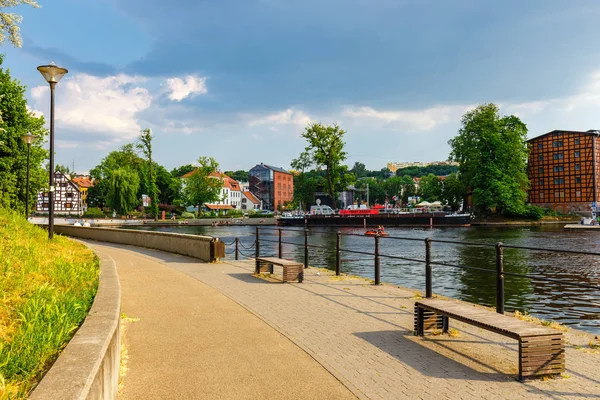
point(239, 80)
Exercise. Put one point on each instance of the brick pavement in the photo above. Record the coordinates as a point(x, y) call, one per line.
point(363, 335)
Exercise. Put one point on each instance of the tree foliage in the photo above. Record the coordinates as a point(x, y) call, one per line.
point(453, 191)
point(9, 22)
point(122, 190)
point(492, 152)
point(326, 150)
point(16, 121)
point(437, 170)
point(182, 170)
point(430, 188)
point(239, 175)
point(200, 187)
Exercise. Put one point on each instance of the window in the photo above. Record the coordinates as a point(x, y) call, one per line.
point(541, 182)
point(559, 195)
point(67, 205)
point(558, 143)
point(559, 168)
point(578, 179)
point(540, 170)
point(576, 154)
point(44, 205)
point(558, 156)
point(559, 181)
point(69, 195)
point(540, 146)
point(576, 141)
point(541, 157)
point(578, 193)
point(577, 167)
point(541, 195)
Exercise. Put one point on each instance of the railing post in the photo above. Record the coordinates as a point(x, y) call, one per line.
point(428, 274)
point(338, 260)
point(257, 266)
point(377, 260)
point(280, 248)
point(499, 278)
point(305, 248)
point(237, 248)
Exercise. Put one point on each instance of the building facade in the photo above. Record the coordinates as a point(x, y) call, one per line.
point(250, 202)
point(84, 183)
point(273, 186)
point(67, 197)
point(563, 170)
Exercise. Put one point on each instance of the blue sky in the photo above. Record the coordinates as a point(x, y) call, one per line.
point(239, 80)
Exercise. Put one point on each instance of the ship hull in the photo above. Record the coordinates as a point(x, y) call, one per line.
point(439, 220)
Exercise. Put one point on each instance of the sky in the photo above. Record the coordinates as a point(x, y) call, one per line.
point(239, 80)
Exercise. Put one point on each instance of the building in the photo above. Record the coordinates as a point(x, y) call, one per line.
point(84, 183)
point(230, 196)
point(394, 166)
point(563, 170)
point(272, 185)
point(67, 197)
point(250, 202)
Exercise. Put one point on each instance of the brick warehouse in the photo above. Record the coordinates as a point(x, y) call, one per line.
point(563, 170)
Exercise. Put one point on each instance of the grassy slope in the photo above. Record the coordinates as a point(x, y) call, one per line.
point(46, 290)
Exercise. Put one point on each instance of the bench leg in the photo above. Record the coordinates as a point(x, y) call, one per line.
point(445, 324)
point(420, 318)
point(300, 274)
point(541, 355)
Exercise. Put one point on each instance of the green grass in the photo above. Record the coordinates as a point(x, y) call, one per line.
point(46, 290)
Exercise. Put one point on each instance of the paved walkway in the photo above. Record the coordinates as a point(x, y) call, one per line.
point(360, 333)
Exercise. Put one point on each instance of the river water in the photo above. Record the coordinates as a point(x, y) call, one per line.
point(569, 305)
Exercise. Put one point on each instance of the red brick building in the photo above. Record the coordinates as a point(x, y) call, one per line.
point(272, 185)
point(563, 170)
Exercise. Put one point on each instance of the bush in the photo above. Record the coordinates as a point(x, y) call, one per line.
point(93, 212)
point(187, 215)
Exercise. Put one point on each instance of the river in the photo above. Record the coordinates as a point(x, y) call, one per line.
point(569, 305)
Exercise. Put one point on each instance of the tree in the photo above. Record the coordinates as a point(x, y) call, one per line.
point(9, 21)
point(122, 192)
point(408, 188)
point(169, 187)
point(239, 175)
point(453, 191)
point(16, 121)
point(64, 169)
point(182, 170)
point(359, 170)
point(201, 187)
point(326, 147)
point(393, 187)
point(437, 170)
point(145, 145)
point(124, 158)
point(431, 188)
point(492, 152)
point(305, 181)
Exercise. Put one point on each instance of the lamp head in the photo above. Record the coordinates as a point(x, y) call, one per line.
point(52, 73)
point(29, 138)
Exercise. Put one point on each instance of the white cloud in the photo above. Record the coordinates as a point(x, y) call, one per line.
point(36, 113)
point(286, 117)
point(415, 120)
point(190, 86)
point(106, 105)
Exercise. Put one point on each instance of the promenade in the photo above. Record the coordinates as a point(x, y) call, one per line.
point(216, 331)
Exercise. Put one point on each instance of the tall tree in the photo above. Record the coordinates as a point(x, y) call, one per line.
point(359, 170)
point(201, 187)
point(305, 181)
point(169, 187)
point(453, 191)
point(16, 121)
point(9, 22)
point(431, 188)
point(122, 192)
point(182, 170)
point(408, 188)
point(326, 146)
point(64, 169)
point(492, 152)
point(145, 145)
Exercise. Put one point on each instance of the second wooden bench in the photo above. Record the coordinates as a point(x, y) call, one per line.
point(292, 270)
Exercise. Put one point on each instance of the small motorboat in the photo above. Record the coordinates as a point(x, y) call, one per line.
point(373, 232)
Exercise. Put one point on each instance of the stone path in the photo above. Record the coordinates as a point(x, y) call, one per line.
point(363, 335)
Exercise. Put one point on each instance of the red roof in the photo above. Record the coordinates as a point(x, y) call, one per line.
point(83, 182)
point(251, 197)
point(219, 206)
point(228, 182)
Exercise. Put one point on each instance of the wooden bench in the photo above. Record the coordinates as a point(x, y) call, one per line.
point(292, 270)
point(541, 349)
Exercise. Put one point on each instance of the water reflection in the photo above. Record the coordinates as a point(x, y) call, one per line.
point(549, 300)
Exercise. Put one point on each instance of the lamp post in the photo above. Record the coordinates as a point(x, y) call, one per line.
point(28, 139)
point(52, 74)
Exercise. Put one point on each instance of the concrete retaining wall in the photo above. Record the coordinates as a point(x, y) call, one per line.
point(88, 368)
point(205, 248)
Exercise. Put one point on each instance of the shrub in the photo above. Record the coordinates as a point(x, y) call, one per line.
point(93, 212)
point(186, 214)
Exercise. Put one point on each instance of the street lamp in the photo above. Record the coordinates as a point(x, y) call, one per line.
point(52, 74)
point(28, 139)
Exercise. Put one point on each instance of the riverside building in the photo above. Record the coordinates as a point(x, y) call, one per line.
point(563, 170)
point(273, 186)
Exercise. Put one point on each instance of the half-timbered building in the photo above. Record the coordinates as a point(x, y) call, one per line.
point(67, 197)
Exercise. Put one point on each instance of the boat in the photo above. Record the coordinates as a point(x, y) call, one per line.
point(362, 216)
point(373, 232)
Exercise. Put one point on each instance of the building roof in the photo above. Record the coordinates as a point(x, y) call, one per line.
point(590, 132)
point(250, 196)
point(276, 169)
point(83, 182)
point(219, 206)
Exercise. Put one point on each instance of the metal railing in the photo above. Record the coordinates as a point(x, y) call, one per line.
point(428, 262)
